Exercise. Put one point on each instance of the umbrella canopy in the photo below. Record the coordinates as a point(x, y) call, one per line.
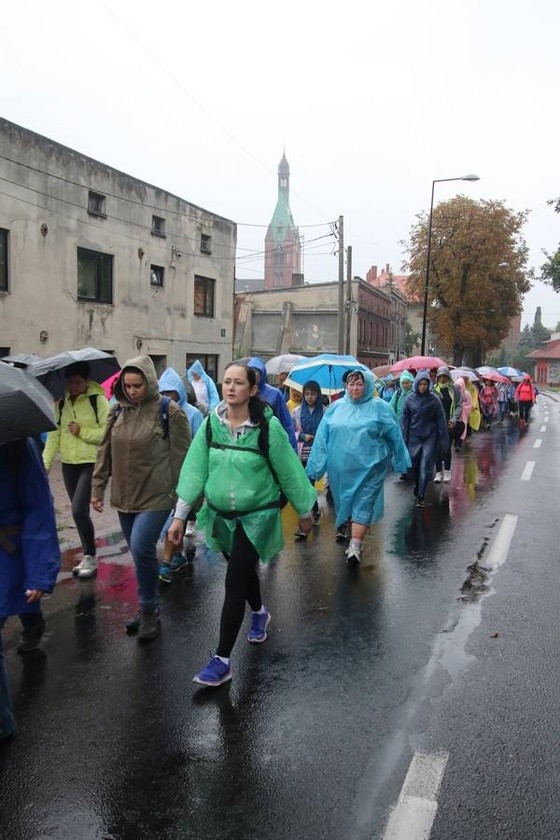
point(491, 373)
point(464, 373)
point(26, 407)
point(417, 363)
point(381, 371)
point(51, 371)
point(283, 363)
point(107, 384)
point(327, 370)
point(22, 360)
point(512, 373)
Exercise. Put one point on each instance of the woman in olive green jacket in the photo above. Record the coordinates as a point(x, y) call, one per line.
point(143, 451)
point(241, 459)
point(81, 417)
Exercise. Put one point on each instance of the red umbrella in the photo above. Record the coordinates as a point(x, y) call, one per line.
point(417, 363)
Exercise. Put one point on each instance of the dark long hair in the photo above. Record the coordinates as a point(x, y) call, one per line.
point(256, 405)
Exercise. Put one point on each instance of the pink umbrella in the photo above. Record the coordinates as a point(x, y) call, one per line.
point(417, 363)
point(107, 385)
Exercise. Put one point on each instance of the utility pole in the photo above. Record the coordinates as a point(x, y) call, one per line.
point(349, 302)
point(340, 285)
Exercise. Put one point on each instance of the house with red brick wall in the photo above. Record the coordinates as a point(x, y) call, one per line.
point(547, 362)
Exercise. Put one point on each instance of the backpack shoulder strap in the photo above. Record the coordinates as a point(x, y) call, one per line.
point(164, 415)
point(93, 403)
point(60, 407)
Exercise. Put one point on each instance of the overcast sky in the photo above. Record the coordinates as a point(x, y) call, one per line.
point(371, 101)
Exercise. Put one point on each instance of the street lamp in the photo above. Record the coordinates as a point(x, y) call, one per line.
point(427, 281)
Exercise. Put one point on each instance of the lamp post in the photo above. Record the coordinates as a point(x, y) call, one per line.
point(427, 281)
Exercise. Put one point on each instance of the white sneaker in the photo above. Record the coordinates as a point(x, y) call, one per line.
point(353, 555)
point(88, 566)
point(77, 568)
point(189, 528)
point(446, 476)
point(437, 478)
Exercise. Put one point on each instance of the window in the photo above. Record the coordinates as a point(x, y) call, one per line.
point(95, 276)
point(205, 243)
point(204, 296)
point(96, 204)
point(156, 275)
point(158, 226)
point(3, 260)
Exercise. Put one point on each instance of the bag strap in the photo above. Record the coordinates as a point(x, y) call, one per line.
point(92, 401)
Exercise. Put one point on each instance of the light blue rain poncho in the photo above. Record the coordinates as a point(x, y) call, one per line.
point(170, 380)
point(213, 396)
point(354, 445)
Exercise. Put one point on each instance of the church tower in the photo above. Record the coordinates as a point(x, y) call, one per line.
point(282, 246)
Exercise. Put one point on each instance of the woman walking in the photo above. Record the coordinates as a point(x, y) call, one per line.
point(82, 418)
point(241, 459)
point(143, 450)
point(307, 417)
point(525, 396)
point(354, 444)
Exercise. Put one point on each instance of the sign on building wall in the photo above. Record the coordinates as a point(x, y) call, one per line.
point(315, 333)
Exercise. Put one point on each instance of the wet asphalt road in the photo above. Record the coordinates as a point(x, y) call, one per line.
point(363, 668)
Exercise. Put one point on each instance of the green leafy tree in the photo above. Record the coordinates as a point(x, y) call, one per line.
point(550, 270)
point(412, 339)
point(477, 275)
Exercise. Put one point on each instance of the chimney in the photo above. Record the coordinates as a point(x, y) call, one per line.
point(388, 268)
point(371, 276)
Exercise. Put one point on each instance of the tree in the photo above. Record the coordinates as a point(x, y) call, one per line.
point(412, 339)
point(550, 270)
point(477, 274)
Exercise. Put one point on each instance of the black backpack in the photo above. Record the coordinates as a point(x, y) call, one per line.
point(163, 415)
point(92, 401)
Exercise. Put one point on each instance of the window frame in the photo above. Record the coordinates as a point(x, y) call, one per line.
point(5, 265)
point(209, 361)
point(205, 243)
point(98, 278)
point(157, 269)
point(158, 226)
point(97, 204)
point(208, 283)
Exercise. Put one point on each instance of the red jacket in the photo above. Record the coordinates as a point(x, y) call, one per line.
point(525, 391)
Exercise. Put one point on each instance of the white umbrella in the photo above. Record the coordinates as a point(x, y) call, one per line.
point(283, 363)
point(464, 373)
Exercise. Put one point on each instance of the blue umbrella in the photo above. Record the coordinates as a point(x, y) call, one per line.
point(327, 370)
point(511, 372)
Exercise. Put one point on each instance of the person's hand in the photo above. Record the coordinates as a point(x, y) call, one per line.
point(306, 524)
point(451, 424)
point(97, 504)
point(74, 429)
point(32, 595)
point(308, 438)
point(176, 532)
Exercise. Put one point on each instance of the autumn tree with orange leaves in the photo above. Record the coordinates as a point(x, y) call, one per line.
point(477, 277)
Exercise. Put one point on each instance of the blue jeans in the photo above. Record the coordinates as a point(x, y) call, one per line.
point(141, 531)
point(422, 454)
point(7, 719)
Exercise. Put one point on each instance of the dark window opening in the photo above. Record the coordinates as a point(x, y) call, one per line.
point(158, 226)
point(3, 260)
point(156, 275)
point(95, 276)
point(96, 204)
point(204, 296)
point(205, 243)
point(209, 363)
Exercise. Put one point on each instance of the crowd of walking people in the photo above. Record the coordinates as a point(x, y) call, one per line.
point(176, 453)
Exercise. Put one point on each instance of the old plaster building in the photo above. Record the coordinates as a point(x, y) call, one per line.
point(90, 256)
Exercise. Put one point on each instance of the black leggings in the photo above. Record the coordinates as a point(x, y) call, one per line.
point(525, 407)
point(242, 584)
point(77, 480)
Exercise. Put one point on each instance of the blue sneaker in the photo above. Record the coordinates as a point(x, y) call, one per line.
point(178, 562)
point(214, 674)
point(164, 573)
point(259, 623)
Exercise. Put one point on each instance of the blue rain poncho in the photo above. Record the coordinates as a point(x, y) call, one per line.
point(354, 445)
point(170, 380)
point(273, 397)
point(211, 390)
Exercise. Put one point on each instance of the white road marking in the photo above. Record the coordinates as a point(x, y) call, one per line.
point(542, 429)
point(528, 471)
point(537, 443)
point(500, 547)
point(415, 812)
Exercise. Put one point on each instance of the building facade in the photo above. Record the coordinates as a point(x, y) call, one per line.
point(547, 362)
point(305, 320)
point(402, 308)
point(90, 256)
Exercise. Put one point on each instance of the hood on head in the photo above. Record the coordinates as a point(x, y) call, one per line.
point(422, 374)
point(461, 384)
point(443, 370)
point(259, 365)
point(197, 368)
point(170, 380)
point(406, 376)
point(146, 367)
point(369, 382)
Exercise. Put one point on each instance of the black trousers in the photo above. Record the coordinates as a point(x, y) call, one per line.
point(525, 407)
point(242, 585)
point(77, 480)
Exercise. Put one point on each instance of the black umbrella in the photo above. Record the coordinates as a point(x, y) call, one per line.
point(26, 407)
point(51, 371)
point(22, 360)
